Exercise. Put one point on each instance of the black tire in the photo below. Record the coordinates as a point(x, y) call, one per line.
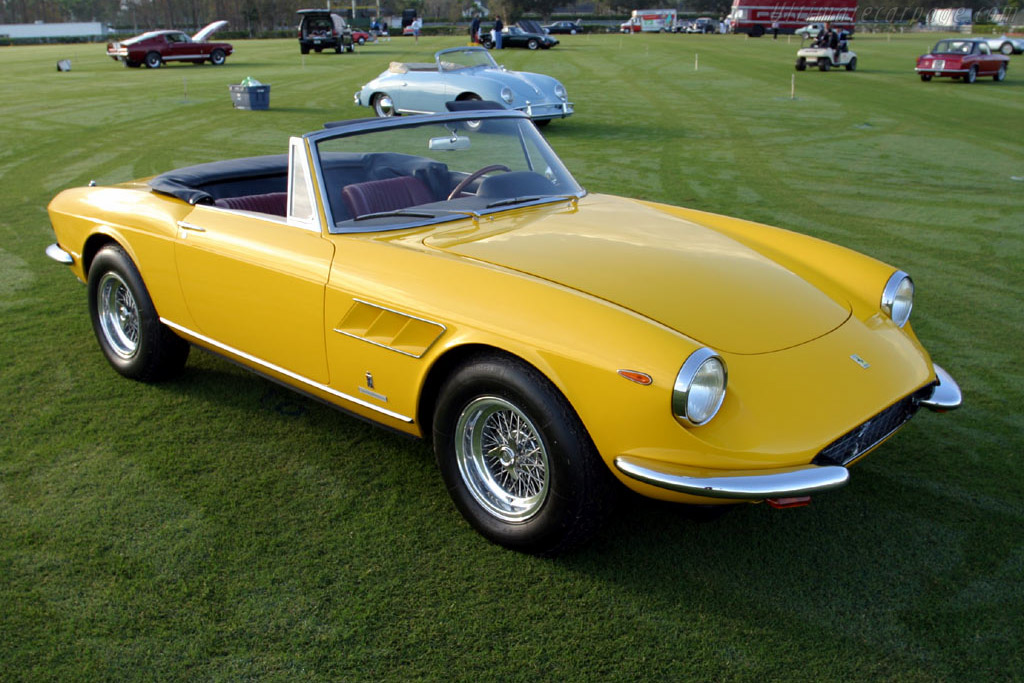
point(532, 44)
point(542, 123)
point(1006, 48)
point(971, 75)
point(757, 31)
point(153, 60)
point(852, 65)
point(304, 49)
point(132, 64)
point(501, 426)
point(801, 63)
point(487, 44)
point(1001, 74)
point(362, 41)
point(217, 57)
point(824, 64)
point(126, 323)
point(926, 77)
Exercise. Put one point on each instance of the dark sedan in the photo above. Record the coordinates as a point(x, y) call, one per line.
point(513, 36)
point(565, 27)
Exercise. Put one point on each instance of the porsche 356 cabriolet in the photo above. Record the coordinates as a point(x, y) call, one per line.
point(446, 276)
point(463, 74)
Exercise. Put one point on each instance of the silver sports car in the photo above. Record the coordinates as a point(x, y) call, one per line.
point(1006, 44)
point(463, 73)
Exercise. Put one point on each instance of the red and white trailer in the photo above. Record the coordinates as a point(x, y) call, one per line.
point(757, 17)
point(649, 21)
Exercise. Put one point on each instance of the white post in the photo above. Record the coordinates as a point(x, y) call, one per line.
point(696, 61)
point(792, 86)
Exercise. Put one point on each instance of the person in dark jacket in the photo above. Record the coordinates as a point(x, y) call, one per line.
point(474, 30)
point(497, 32)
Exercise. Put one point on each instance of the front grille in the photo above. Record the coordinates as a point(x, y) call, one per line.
point(858, 441)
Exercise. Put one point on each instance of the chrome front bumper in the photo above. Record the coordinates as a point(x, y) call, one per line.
point(784, 482)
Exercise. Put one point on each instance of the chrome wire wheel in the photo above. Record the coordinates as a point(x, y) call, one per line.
point(118, 315)
point(502, 459)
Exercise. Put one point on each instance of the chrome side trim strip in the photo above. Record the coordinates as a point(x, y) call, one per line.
point(740, 485)
point(59, 255)
point(946, 395)
point(287, 373)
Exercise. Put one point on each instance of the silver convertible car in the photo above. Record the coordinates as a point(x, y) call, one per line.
point(459, 74)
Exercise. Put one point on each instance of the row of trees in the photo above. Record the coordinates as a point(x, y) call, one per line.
point(262, 15)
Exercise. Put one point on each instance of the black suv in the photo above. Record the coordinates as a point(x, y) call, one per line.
point(322, 29)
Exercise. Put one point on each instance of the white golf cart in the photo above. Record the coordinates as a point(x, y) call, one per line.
point(825, 58)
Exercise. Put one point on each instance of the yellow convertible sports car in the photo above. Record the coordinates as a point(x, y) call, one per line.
point(447, 277)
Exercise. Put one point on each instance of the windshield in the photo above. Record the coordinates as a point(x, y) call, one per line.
point(467, 58)
point(427, 172)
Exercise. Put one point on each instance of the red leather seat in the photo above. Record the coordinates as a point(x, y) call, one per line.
point(274, 203)
point(391, 194)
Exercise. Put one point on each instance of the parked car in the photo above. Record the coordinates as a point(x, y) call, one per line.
point(1006, 45)
point(360, 37)
point(321, 29)
point(564, 27)
point(154, 48)
point(702, 25)
point(447, 277)
point(811, 30)
point(514, 36)
point(966, 58)
point(463, 73)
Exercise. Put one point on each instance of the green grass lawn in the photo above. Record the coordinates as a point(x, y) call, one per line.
point(219, 527)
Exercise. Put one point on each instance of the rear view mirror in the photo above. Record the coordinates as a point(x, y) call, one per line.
point(449, 143)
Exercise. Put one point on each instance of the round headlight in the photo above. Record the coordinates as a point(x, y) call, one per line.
point(560, 92)
point(506, 94)
point(898, 298)
point(700, 388)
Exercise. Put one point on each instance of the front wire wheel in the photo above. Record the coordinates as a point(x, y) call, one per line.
point(502, 459)
point(516, 460)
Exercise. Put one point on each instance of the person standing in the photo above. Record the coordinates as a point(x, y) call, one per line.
point(775, 30)
point(474, 30)
point(498, 26)
point(417, 25)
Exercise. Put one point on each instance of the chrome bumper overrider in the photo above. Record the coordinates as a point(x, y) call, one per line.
point(59, 255)
point(785, 482)
point(739, 485)
point(946, 395)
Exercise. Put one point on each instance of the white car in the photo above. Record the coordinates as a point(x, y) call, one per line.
point(809, 31)
point(1006, 44)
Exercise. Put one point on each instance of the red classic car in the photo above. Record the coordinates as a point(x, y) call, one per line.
point(962, 58)
point(153, 48)
point(360, 37)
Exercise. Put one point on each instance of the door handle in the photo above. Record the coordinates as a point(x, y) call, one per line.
point(191, 226)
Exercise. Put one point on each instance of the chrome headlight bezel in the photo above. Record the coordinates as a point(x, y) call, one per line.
point(898, 298)
point(693, 408)
point(560, 92)
point(507, 95)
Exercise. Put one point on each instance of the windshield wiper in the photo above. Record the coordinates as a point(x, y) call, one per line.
point(398, 212)
point(530, 198)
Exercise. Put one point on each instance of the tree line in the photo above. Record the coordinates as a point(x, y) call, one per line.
point(254, 16)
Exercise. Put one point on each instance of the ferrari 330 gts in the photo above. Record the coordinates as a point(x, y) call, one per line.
point(447, 277)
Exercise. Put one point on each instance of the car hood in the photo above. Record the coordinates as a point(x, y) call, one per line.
point(681, 274)
point(207, 31)
point(523, 83)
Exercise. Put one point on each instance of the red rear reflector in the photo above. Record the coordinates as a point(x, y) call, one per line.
point(794, 502)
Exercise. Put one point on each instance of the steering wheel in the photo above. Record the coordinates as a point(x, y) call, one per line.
point(474, 175)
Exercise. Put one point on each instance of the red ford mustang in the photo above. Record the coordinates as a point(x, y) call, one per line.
point(962, 58)
point(156, 47)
